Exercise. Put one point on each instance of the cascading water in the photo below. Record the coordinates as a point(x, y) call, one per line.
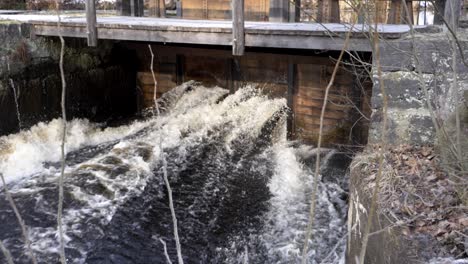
point(241, 190)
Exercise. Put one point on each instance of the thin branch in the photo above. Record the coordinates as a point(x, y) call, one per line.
point(163, 157)
point(319, 144)
point(168, 259)
point(6, 253)
point(64, 135)
point(373, 206)
point(24, 229)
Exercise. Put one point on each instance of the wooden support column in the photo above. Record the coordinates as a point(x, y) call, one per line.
point(397, 14)
point(180, 69)
point(157, 8)
point(131, 8)
point(328, 11)
point(279, 11)
point(292, 70)
point(91, 23)
point(295, 11)
point(238, 35)
point(452, 13)
point(179, 9)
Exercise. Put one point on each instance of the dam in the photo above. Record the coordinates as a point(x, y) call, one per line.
point(236, 135)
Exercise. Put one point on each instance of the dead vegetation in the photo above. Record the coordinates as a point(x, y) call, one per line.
point(417, 194)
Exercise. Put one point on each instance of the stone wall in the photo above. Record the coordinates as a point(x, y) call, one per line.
point(100, 81)
point(410, 121)
point(408, 113)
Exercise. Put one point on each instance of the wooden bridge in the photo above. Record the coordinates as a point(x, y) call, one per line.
point(208, 32)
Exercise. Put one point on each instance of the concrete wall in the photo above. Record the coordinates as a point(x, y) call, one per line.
point(101, 82)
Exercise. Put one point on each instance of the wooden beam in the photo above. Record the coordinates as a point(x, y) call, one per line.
point(279, 11)
point(238, 30)
point(180, 69)
point(292, 71)
point(91, 22)
point(328, 11)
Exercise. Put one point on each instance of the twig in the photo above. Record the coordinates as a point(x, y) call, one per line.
point(6, 253)
point(373, 206)
point(24, 229)
point(163, 157)
point(319, 144)
point(64, 135)
point(168, 259)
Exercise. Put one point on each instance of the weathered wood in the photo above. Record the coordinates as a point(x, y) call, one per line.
point(453, 9)
point(179, 9)
point(397, 14)
point(180, 69)
point(297, 11)
point(91, 22)
point(291, 92)
point(157, 8)
point(279, 11)
point(238, 31)
point(328, 11)
point(131, 7)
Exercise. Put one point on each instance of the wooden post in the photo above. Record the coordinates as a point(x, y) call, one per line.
point(452, 13)
point(91, 23)
point(179, 13)
point(292, 70)
point(180, 70)
point(238, 36)
point(295, 11)
point(157, 8)
point(279, 11)
point(397, 14)
point(328, 11)
point(131, 7)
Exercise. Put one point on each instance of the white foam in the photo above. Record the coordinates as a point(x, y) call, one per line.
point(24, 153)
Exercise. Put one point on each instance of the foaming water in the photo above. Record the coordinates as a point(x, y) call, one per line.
point(241, 190)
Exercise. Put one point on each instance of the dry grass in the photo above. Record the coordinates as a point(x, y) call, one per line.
point(416, 193)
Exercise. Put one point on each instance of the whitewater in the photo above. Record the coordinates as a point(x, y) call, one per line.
point(241, 189)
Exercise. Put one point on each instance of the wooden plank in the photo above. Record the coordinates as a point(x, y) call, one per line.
point(91, 23)
point(238, 24)
point(314, 113)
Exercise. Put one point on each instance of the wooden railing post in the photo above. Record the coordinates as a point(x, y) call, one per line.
point(279, 11)
point(397, 14)
point(452, 12)
point(91, 23)
point(328, 11)
point(157, 8)
point(238, 36)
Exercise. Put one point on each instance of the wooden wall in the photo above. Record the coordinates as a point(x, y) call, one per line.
point(255, 10)
point(300, 79)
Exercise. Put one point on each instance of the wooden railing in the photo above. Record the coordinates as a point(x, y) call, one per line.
point(389, 11)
